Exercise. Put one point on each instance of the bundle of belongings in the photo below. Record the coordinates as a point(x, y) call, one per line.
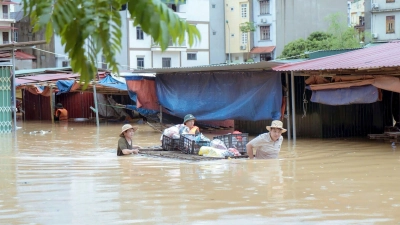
point(218, 149)
point(176, 131)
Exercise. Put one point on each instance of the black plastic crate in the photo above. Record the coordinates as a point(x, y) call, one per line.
point(170, 144)
point(238, 141)
point(188, 145)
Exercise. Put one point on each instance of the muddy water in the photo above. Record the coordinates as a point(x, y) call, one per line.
point(73, 176)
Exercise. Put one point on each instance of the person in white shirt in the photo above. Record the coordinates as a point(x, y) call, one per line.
point(267, 145)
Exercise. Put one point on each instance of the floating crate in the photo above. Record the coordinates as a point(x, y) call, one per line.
point(170, 144)
point(188, 145)
point(238, 141)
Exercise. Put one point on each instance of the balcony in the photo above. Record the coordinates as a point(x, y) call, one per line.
point(7, 17)
point(171, 46)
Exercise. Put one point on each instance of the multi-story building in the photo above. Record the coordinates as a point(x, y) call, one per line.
point(280, 22)
point(385, 20)
point(357, 17)
point(6, 22)
point(144, 52)
point(237, 43)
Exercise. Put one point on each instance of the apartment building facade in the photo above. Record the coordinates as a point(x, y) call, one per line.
point(144, 52)
point(385, 20)
point(7, 22)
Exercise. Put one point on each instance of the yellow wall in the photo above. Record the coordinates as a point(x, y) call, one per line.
point(233, 14)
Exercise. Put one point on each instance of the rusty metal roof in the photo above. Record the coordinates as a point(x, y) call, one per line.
point(381, 56)
point(259, 50)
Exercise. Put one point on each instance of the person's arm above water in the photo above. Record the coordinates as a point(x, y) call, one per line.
point(124, 147)
point(250, 152)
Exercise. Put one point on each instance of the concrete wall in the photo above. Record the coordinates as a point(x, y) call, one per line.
point(233, 15)
point(43, 59)
point(299, 18)
point(378, 20)
point(175, 59)
point(24, 64)
point(217, 32)
point(146, 55)
point(202, 58)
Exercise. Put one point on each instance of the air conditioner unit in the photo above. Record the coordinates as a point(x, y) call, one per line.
point(374, 35)
point(263, 20)
point(243, 47)
point(375, 5)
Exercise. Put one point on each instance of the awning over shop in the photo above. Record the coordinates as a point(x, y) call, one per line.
point(261, 50)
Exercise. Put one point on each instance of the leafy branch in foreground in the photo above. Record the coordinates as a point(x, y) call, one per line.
point(91, 27)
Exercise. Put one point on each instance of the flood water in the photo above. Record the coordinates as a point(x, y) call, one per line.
point(73, 176)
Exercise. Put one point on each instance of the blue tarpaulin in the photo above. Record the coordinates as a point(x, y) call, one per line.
point(109, 81)
point(346, 96)
point(64, 86)
point(222, 95)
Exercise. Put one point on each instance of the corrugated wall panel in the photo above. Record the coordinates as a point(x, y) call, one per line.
point(77, 103)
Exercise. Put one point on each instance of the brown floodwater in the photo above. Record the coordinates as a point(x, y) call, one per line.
point(73, 176)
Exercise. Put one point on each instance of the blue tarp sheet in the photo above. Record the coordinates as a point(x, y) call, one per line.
point(346, 96)
point(64, 86)
point(222, 95)
point(109, 81)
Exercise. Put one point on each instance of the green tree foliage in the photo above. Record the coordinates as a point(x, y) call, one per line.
point(98, 23)
point(338, 36)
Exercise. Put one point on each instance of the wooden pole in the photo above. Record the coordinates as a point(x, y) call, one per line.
point(95, 104)
point(293, 108)
point(288, 107)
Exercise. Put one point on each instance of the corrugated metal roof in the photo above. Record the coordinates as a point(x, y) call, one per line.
point(385, 55)
point(40, 70)
point(48, 77)
point(265, 65)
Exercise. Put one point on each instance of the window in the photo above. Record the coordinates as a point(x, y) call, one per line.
point(265, 57)
point(265, 33)
point(214, 32)
point(139, 33)
point(264, 7)
point(166, 62)
point(231, 8)
point(213, 5)
point(192, 56)
point(244, 38)
point(103, 62)
point(140, 62)
point(389, 1)
point(244, 10)
point(390, 24)
point(65, 63)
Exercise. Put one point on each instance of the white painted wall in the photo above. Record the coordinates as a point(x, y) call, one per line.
point(202, 58)
point(23, 64)
point(204, 42)
point(134, 54)
point(157, 58)
point(197, 10)
point(133, 42)
point(390, 5)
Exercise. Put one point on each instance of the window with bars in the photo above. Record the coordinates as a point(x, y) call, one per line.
point(139, 33)
point(192, 56)
point(264, 7)
point(140, 62)
point(244, 10)
point(390, 24)
point(166, 62)
point(265, 33)
point(244, 38)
